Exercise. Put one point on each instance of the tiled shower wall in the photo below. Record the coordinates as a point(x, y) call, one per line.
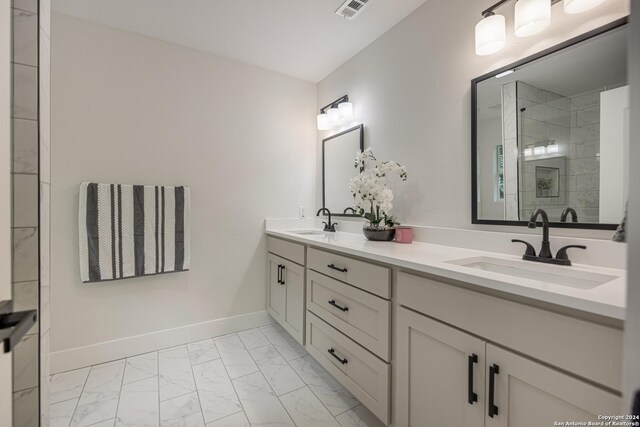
point(30, 223)
point(584, 149)
point(544, 116)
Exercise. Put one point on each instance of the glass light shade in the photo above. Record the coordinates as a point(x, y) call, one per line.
point(323, 121)
point(579, 6)
point(346, 111)
point(334, 116)
point(532, 16)
point(528, 152)
point(553, 148)
point(491, 35)
point(540, 150)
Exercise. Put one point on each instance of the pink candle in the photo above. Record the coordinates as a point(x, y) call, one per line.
point(404, 234)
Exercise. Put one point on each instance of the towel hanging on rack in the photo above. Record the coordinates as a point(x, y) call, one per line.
point(133, 230)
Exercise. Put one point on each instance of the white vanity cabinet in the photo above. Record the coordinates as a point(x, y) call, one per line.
point(349, 325)
point(455, 371)
point(286, 278)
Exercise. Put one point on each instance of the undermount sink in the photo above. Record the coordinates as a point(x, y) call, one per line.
point(307, 232)
point(552, 274)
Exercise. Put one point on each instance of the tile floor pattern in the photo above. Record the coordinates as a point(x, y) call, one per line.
point(257, 377)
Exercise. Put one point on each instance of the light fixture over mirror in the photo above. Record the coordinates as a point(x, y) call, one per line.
point(531, 17)
point(337, 113)
point(578, 6)
point(491, 34)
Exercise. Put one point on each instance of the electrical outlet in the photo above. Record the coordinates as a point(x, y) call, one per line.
point(302, 212)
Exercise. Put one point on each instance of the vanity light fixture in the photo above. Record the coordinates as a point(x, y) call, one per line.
point(491, 34)
point(553, 148)
point(579, 6)
point(538, 151)
point(531, 17)
point(336, 113)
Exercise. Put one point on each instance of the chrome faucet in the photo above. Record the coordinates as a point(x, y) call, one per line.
point(545, 251)
point(328, 226)
point(567, 211)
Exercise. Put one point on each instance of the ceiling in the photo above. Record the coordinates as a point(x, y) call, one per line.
point(299, 38)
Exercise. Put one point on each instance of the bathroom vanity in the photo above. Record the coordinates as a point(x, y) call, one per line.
point(427, 335)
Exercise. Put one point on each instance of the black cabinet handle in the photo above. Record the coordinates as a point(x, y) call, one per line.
point(333, 353)
point(493, 371)
point(333, 303)
point(333, 267)
point(279, 274)
point(282, 274)
point(473, 397)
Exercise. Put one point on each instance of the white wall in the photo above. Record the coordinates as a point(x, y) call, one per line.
point(614, 150)
point(411, 89)
point(632, 327)
point(131, 109)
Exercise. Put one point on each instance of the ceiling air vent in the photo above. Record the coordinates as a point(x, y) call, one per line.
point(350, 9)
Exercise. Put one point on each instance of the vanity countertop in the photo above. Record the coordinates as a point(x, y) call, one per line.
point(608, 299)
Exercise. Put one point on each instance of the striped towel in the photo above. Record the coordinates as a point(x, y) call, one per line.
point(132, 230)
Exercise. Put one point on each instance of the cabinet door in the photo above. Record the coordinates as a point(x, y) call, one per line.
point(276, 296)
point(529, 394)
point(293, 277)
point(432, 381)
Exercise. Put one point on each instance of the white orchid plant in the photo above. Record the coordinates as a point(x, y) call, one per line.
point(372, 197)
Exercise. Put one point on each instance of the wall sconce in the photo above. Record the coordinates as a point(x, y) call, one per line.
point(531, 17)
point(336, 113)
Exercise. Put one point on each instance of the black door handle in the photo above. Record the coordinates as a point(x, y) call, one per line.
point(333, 303)
point(493, 371)
point(279, 274)
point(473, 397)
point(333, 267)
point(282, 274)
point(333, 353)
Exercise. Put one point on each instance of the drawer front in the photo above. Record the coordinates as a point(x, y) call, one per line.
point(540, 334)
point(359, 371)
point(361, 316)
point(285, 249)
point(372, 278)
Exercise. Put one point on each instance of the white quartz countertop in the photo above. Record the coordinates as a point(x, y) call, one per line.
point(608, 299)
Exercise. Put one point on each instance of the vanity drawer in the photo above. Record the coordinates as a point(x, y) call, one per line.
point(363, 317)
point(370, 277)
point(285, 249)
point(587, 349)
point(359, 371)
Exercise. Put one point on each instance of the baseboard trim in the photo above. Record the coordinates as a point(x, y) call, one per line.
point(80, 357)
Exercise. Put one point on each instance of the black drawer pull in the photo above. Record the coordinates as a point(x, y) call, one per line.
point(333, 303)
point(282, 274)
point(279, 274)
point(473, 397)
point(493, 371)
point(333, 267)
point(333, 353)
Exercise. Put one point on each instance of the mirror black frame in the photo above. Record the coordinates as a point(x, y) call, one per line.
point(361, 128)
point(474, 123)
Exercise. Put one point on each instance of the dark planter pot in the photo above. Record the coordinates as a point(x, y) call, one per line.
point(379, 235)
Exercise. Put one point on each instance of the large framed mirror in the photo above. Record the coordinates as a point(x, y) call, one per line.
point(551, 132)
point(338, 157)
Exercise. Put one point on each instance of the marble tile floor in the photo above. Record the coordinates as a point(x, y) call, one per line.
point(257, 377)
